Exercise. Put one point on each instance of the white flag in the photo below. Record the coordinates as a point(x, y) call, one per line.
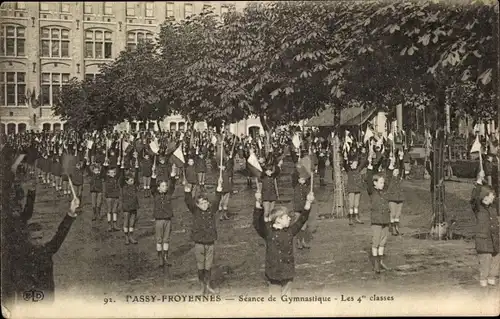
point(296, 140)
point(154, 146)
point(368, 134)
point(476, 147)
point(90, 143)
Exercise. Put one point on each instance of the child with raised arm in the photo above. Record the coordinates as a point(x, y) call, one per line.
point(129, 183)
point(486, 234)
point(279, 235)
point(204, 232)
point(163, 214)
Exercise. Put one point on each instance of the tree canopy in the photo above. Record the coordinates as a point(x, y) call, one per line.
point(285, 61)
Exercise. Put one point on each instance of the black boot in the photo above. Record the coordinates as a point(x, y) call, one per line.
point(351, 220)
point(201, 279)
point(357, 220)
point(208, 276)
point(391, 228)
point(396, 229)
point(381, 262)
point(165, 258)
point(160, 259)
point(376, 265)
point(94, 213)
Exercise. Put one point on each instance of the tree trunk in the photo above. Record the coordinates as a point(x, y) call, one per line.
point(268, 131)
point(496, 39)
point(438, 162)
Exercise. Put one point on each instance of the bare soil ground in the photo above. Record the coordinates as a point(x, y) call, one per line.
point(95, 263)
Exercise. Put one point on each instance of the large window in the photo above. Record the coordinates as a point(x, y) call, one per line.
point(12, 40)
point(224, 10)
point(188, 10)
point(108, 8)
point(134, 37)
point(55, 42)
point(150, 9)
point(13, 88)
point(87, 8)
point(130, 9)
point(65, 6)
point(170, 10)
point(98, 44)
point(52, 84)
point(90, 76)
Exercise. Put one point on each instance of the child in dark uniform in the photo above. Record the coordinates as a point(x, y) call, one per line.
point(204, 232)
point(300, 191)
point(380, 219)
point(227, 189)
point(395, 194)
point(130, 202)
point(163, 214)
point(486, 234)
point(353, 188)
point(279, 235)
point(201, 168)
point(112, 187)
point(269, 191)
point(146, 171)
point(97, 174)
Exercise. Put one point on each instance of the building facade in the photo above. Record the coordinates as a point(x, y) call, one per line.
point(45, 44)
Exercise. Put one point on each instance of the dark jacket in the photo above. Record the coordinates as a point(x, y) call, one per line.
point(269, 191)
point(191, 176)
point(280, 260)
point(35, 269)
point(487, 227)
point(379, 204)
point(394, 190)
point(162, 202)
point(163, 171)
point(96, 180)
point(112, 185)
point(204, 230)
point(300, 192)
point(129, 193)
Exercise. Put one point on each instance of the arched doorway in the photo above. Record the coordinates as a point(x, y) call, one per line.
point(2, 127)
point(173, 126)
point(142, 126)
point(133, 126)
point(46, 127)
point(11, 128)
point(57, 127)
point(151, 126)
point(21, 127)
point(182, 126)
point(254, 131)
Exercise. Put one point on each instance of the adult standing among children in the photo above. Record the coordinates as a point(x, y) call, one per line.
point(26, 266)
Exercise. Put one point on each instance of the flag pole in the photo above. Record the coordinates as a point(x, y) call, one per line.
point(311, 168)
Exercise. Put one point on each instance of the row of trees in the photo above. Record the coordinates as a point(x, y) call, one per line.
point(287, 61)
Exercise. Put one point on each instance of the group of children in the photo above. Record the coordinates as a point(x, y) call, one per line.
point(115, 178)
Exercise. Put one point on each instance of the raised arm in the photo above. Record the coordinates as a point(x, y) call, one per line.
point(258, 217)
point(188, 199)
point(28, 207)
point(62, 231)
point(304, 215)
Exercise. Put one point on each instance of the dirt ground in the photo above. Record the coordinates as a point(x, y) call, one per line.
point(95, 263)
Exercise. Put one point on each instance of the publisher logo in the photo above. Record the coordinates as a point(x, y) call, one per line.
point(33, 295)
